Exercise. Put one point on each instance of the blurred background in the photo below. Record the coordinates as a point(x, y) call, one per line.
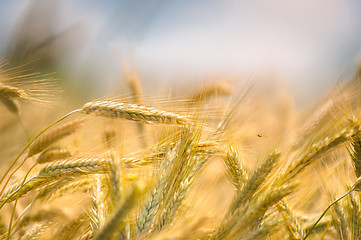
point(306, 46)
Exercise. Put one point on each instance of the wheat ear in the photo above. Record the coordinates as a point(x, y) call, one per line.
point(13, 92)
point(261, 232)
point(340, 222)
point(35, 231)
point(26, 147)
point(356, 155)
point(56, 171)
point(53, 136)
point(132, 112)
point(115, 222)
point(99, 206)
point(294, 227)
point(151, 206)
point(217, 88)
point(53, 154)
point(355, 187)
point(255, 180)
point(135, 87)
point(182, 188)
point(8, 96)
point(355, 217)
point(318, 149)
point(245, 219)
point(62, 188)
point(234, 167)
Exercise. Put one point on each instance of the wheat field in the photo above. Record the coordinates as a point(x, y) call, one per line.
point(214, 164)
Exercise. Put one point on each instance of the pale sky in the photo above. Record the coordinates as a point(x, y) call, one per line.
point(311, 44)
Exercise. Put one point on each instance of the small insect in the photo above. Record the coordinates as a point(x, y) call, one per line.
point(261, 136)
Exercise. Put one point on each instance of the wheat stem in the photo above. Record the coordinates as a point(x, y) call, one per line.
point(354, 187)
point(26, 147)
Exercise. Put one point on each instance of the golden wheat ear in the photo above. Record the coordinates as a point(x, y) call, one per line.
point(211, 90)
point(116, 223)
point(133, 112)
point(53, 136)
point(355, 153)
point(20, 83)
point(26, 147)
point(9, 102)
point(53, 154)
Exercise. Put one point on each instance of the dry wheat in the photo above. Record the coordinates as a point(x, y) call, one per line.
point(53, 136)
point(53, 154)
point(132, 112)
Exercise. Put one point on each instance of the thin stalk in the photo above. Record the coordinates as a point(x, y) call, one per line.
point(28, 138)
point(16, 202)
point(22, 215)
point(26, 147)
point(333, 203)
